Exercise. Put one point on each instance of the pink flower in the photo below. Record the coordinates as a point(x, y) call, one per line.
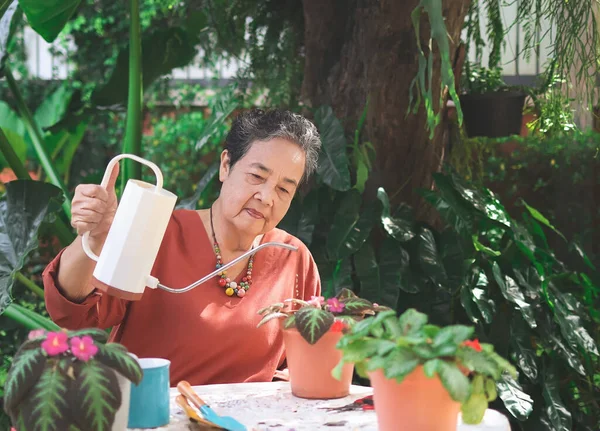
point(35, 334)
point(83, 348)
point(55, 343)
point(317, 301)
point(335, 306)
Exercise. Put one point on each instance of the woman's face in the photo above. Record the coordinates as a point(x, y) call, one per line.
point(258, 190)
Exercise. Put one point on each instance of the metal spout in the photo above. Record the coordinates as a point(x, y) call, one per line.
point(227, 265)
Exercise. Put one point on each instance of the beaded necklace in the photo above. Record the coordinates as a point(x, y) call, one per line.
point(231, 287)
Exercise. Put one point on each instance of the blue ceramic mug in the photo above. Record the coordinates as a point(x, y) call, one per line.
point(149, 402)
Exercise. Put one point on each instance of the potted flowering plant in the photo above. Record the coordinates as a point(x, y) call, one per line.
point(70, 380)
point(421, 372)
point(311, 330)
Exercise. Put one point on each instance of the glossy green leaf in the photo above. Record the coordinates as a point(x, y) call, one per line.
point(63, 145)
point(468, 304)
point(47, 407)
point(25, 370)
point(113, 356)
point(517, 402)
point(22, 211)
point(510, 290)
point(543, 220)
point(429, 258)
point(453, 209)
point(368, 273)
point(393, 263)
point(521, 342)
point(575, 246)
point(333, 160)
point(362, 175)
point(400, 227)
point(313, 323)
point(570, 356)
point(554, 407)
point(53, 107)
point(96, 395)
point(164, 50)
point(455, 382)
point(48, 17)
point(302, 217)
point(481, 297)
point(350, 229)
point(571, 325)
point(19, 146)
point(7, 12)
point(191, 203)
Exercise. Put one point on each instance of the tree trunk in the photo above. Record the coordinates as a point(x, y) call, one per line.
point(366, 49)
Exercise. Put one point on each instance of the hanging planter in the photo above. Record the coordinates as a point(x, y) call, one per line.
point(493, 114)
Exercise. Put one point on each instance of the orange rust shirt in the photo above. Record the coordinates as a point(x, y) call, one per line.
point(208, 336)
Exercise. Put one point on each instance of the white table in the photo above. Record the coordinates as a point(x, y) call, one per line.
point(271, 406)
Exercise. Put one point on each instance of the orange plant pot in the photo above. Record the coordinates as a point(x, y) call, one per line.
point(418, 403)
point(310, 366)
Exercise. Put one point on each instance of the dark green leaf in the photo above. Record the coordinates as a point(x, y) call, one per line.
point(221, 110)
point(113, 356)
point(345, 294)
point(393, 262)
point(518, 403)
point(543, 220)
point(455, 382)
point(520, 338)
point(302, 217)
point(169, 48)
point(399, 364)
point(53, 107)
point(510, 290)
point(367, 271)
point(192, 202)
point(356, 306)
point(47, 407)
point(582, 254)
point(557, 412)
point(25, 370)
point(400, 228)
point(313, 323)
point(565, 351)
point(96, 396)
point(48, 17)
point(22, 211)
point(342, 276)
point(571, 325)
point(429, 258)
point(350, 230)
point(333, 160)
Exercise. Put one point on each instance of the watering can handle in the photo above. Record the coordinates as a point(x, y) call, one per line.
point(104, 183)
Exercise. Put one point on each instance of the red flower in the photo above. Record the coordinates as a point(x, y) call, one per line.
point(338, 326)
point(473, 344)
point(83, 348)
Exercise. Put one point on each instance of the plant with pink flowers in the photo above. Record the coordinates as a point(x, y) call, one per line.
point(67, 380)
point(317, 316)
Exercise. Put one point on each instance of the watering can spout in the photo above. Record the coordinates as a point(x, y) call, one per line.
point(216, 272)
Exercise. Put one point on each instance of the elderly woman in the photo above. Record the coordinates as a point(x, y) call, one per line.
point(209, 333)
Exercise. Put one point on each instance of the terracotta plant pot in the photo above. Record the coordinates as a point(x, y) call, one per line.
point(418, 403)
point(310, 366)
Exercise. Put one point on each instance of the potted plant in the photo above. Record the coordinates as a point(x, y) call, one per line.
point(70, 380)
point(490, 107)
point(422, 373)
point(311, 330)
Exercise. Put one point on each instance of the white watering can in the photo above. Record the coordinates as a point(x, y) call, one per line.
point(124, 265)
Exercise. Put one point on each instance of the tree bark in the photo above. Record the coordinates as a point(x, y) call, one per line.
point(359, 50)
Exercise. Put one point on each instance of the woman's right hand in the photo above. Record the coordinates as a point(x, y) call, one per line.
point(93, 208)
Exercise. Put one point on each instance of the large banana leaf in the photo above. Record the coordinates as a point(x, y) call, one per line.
point(23, 209)
point(333, 160)
point(163, 50)
point(48, 17)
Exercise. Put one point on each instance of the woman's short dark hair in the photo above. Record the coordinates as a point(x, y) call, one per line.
point(259, 125)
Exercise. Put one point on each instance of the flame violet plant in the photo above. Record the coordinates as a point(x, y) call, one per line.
point(316, 317)
point(67, 380)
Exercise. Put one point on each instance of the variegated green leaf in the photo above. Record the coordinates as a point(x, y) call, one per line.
point(114, 356)
point(46, 408)
point(99, 335)
point(95, 396)
point(345, 294)
point(356, 306)
point(313, 323)
point(290, 321)
point(26, 368)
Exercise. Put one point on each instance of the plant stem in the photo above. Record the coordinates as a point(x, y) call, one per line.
point(37, 139)
point(29, 319)
point(133, 132)
point(11, 157)
point(30, 284)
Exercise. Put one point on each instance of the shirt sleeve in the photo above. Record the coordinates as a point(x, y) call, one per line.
point(98, 310)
